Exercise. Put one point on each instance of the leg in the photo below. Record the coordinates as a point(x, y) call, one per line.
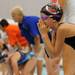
point(3, 68)
point(52, 65)
point(9, 68)
point(14, 64)
point(69, 62)
point(40, 59)
point(29, 66)
point(39, 67)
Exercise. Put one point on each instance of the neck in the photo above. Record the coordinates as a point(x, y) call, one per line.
point(21, 19)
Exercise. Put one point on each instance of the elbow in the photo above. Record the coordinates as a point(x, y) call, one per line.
point(37, 39)
point(61, 32)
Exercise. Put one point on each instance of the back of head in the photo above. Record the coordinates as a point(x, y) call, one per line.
point(54, 10)
point(4, 22)
point(17, 10)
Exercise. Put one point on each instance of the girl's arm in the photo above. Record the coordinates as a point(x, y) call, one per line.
point(53, 49)
point(64, 31)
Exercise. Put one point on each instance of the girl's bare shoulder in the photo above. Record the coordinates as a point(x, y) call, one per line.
point(66, 26)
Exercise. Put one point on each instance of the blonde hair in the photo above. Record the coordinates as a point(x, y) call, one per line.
point(17, 10)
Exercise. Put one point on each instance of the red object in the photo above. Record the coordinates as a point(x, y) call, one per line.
point(52, 10)
point(54, 1)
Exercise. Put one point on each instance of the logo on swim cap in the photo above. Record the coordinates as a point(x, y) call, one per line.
point(53, 8)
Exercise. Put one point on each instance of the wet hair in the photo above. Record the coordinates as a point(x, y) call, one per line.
point(53, 10)
point(4, 23)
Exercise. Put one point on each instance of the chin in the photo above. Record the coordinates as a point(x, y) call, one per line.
point(16, 21)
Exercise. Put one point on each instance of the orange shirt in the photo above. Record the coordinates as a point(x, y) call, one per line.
point(14, 36)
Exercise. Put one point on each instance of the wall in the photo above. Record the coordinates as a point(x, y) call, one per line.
point(31, 7)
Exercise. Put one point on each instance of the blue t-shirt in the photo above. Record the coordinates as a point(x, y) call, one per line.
point(29, 28)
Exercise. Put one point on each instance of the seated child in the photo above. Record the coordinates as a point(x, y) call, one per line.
point(23, 53)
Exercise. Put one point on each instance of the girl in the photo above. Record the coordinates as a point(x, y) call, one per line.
point(61, 33)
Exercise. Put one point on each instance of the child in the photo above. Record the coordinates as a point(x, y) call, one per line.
point(16, 40)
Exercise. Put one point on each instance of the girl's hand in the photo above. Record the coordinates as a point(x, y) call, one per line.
point(42, 27)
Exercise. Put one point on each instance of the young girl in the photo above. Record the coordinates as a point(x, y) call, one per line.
point(51, 15)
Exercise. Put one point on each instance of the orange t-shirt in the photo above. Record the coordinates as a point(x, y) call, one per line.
point(14, 36)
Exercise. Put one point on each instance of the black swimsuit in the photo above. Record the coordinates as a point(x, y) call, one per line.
point(70, 41)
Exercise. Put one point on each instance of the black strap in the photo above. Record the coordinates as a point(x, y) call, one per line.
point(46, 53)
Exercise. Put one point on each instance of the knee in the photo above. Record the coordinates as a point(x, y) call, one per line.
point(15, 57)
point(13, 61)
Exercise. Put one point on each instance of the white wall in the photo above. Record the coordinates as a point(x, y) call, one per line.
point(31, 7)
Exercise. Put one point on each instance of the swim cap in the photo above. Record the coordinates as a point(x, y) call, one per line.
point(52, 10)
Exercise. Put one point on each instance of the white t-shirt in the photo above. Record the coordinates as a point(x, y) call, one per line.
point(69, 12)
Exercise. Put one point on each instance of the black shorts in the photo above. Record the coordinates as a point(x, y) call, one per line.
point(25, 57)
